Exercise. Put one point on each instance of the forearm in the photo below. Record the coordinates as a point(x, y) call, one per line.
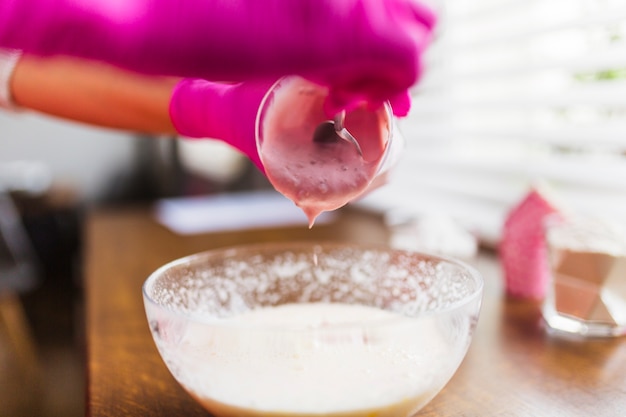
point(184, 38)
point(225, 40)
point(93, 93)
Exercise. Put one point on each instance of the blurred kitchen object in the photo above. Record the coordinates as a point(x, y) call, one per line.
point(225, 168)
point(588, 276)
point(522, 247)
point(211, 159)
point(19, 274)
point(17, 257)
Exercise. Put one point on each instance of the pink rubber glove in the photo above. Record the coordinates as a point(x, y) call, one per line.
point(205, 109)
point(362, 49)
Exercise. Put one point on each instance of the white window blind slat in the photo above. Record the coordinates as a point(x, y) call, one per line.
point(500, 66)
point(601, 172)
point(596, 95)
point(516, 28)
point(610, 138)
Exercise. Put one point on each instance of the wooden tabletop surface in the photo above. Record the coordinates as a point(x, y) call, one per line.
point(514, 367)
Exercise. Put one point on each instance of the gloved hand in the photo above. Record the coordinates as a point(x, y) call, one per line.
point(223, 111)
point(205, 109)
point(364, 50)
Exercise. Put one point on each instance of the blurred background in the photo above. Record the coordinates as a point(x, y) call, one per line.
point(51, 173)
point(517, 95)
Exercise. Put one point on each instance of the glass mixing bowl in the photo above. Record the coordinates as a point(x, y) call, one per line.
point(312, 329)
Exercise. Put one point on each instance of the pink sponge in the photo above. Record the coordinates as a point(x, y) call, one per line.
point(523, 250)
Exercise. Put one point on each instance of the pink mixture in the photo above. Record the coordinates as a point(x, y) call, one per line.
point(317, 176)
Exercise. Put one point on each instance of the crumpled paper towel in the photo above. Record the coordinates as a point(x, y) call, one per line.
point(433, 233)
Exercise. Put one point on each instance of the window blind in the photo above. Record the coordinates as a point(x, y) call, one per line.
point(516, 93)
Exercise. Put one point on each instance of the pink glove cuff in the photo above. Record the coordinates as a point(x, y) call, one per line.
point(204, 109)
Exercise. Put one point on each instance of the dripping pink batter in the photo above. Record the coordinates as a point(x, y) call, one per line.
point(316, 176)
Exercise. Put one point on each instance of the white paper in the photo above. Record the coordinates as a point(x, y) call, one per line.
point(231, 211)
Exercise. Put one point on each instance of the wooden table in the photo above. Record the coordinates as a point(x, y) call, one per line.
point(514, 366)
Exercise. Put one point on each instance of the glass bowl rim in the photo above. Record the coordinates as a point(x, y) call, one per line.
point(472, 273)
